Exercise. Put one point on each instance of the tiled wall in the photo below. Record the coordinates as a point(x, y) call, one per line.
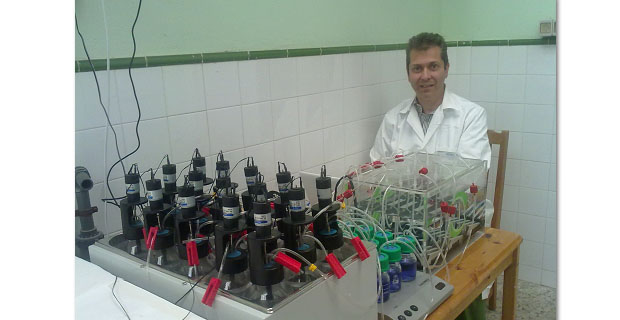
point(517, 87)
point(309, 111)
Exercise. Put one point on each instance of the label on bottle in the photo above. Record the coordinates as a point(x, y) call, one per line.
point(132, 188)
point(323, 193)
point(230, 212)
point(170, 178)
point(296, 205)
point(262, 219)
point(187, 202)
point(155, 195)
point(197, 185)
point(250, 180)
point(283, 187)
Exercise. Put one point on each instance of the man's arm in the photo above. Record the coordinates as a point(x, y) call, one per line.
point(474, 141)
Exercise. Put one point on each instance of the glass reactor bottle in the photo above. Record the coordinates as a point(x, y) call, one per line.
point(408, 262)
point(394, 256)
point(385, 278)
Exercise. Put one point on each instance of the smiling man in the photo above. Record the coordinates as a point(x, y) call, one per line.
point(435, 119)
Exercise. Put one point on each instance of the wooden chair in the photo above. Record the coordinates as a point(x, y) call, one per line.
point(501, 139)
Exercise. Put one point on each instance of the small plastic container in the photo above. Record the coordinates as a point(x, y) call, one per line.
point(383, 237)
point(385, 278)
point(395, 270)
point(408, 262)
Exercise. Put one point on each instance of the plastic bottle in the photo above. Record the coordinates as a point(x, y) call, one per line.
point(394, 256)
point(408, 262)
point(385, 278)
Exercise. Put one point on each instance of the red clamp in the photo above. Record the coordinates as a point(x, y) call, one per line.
point(144, 234)
point(377, 164)
point(360, 248)
point(335, 265)
point(351, 175)
point(211, 291)
point(345, 195)
point(451, 210)
point(288, 262)
point(399, 158)
point(192, 254)
point(311, 227)
point(444, 206)
point(272, 205)
point(206, 210)
point(365, 167)
point(423, 171)
point(150, 240)
point(473, 188)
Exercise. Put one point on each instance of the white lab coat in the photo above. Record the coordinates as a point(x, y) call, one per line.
point(458, 125)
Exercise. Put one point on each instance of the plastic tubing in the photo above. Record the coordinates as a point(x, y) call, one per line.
point(317, 242)
point(440, 251)
point(323, 210)
point(219, 273)
point(276, 250)
point(239, 240)
point(362, 232)
point(349, 231)
point(375, 223)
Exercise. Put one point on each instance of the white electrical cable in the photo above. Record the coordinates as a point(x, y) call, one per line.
point(105, 141)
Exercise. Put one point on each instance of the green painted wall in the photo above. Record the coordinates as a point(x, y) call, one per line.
point(167, 27)
point(494, 19)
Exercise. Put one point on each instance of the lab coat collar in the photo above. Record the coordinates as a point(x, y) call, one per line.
point(447, 103)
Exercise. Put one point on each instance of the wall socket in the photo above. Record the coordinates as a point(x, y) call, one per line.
point(547, 28)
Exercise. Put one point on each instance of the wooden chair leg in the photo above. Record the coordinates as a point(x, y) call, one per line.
point(492, 296)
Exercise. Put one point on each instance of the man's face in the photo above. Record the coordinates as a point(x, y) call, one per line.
point(427, 73)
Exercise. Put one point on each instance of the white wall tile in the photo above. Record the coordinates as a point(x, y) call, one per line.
point(332, 108)
point(550, 257)
point(310, 79)
point(285, 118)
point(184, 89)
point(112, 155)
point(89, 152)
point(154, 142)
point(257, 123)
point(511, 88)
point(533, 201)
point(333, 71)
point(379, 97)
point(354, 106)
point(333, 142)
point(371, 67)
point(357, 158)
point(530, 274)
point(359, 135)
point(352, 65)
point(254, 81)
point(541, 59)
point(552, 177)
point(483, 87)
point(554, 149)
point(512, 175)
point(531, 254)
point(311, 149)
point(540, 89)
point(263, 155)
point(288, 151)
point(551, 231)
point(552, 208)
point(113, 217)
point(511, 198)
point(459, 84)
point(336, 168)
point(535, 174)
point(225, 129)
point(393, 65)
point(512, 59)
point(460, 60)
point(310, 113)
point(532, 228)
point(484, 60)
point(536, 147)
point(149, 86)
point(549, 279)
point(221, 84)
point(509, 220)
point(283, 78)
point(188, 132)
point(555, 120)
point(489, 107)
point(88, 111)
point(515, 142)
point(509, 117)
point(538, 119)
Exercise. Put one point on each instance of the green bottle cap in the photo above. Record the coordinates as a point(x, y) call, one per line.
point(369, 231)
point(392, 251)
point(376, 242)
point(382, 237)
point(383, 261)
point(407, 239)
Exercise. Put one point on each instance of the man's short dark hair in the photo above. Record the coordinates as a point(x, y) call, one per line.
point(425, 40)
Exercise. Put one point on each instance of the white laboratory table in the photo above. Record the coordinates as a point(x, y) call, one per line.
point(94, 299)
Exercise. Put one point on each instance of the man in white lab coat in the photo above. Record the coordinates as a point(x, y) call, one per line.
point(435, 119)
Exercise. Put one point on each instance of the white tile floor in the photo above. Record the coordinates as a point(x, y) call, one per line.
point(534, 301)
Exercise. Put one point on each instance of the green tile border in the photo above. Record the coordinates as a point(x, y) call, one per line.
point(304, 52)
point(211, 57)
point(268, 54)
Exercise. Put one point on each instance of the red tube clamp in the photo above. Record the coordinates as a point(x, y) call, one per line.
point(362, 252)
point(150, 240)
point(473, 188)
point(335, 265)
point(399, 158)
point(423, 171)
point(288, 262)
point(209, 297)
